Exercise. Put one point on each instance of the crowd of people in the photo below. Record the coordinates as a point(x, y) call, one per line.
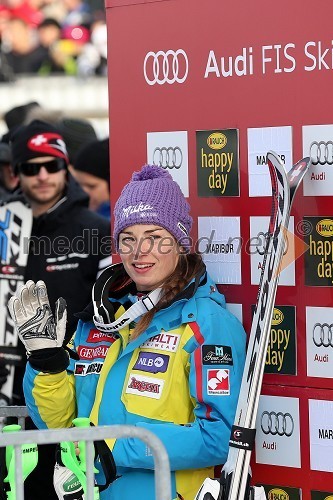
point(46, 37)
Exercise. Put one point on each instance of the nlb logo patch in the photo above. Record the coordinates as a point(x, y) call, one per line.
point(152, 362)
point(145, 386)
point(218, 383)
point(163, 342)
point(86, 352)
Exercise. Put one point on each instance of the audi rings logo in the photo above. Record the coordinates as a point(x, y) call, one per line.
point(165, 67)
point(322, 335)
point(262, 242)
point(281, 424)
point(168, 157)
point(321, 153)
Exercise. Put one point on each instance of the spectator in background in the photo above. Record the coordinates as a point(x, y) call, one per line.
point(78, 13)
point(27, 10)
point(92, 171)
point(49, 34)
point(6, 72)
point(93, 57)
point(8, 180)
point(60, 209)
point(55, 9)
point(76, 132)
point(19, 46)
point(67, 51)
point(17, 115)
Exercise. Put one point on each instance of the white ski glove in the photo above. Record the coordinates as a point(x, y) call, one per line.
point(31, 312)
point(66, 484)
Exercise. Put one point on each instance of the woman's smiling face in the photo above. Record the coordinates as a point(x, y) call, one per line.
point(149, 254)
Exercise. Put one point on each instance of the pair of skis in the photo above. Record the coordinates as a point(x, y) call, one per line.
point(234, 483)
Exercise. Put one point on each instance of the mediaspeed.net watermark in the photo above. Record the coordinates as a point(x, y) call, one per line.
point(92, 244)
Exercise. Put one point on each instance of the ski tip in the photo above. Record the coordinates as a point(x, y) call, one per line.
point(298, 171)
point(274, 161)
point(272, 155)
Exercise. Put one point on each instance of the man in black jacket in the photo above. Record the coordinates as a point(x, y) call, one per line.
point(69, 244)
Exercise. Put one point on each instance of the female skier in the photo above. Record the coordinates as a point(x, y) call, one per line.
point(156, 348)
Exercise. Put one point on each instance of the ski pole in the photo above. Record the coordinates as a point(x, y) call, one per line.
point(78, 464)
point(29, 454)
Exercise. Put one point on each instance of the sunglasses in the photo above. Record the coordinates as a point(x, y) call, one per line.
point(52, 166)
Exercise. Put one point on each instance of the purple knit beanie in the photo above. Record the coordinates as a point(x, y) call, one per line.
point(153, 197)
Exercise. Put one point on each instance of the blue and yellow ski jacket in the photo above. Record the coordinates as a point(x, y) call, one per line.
point(179, 379)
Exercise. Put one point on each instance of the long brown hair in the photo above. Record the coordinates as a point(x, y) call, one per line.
point(189, 265)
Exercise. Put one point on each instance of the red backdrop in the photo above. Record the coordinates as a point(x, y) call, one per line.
point(285, 85)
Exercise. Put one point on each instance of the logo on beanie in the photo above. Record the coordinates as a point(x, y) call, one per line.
point(48, 143)
point(182, 228)
point(138, 208)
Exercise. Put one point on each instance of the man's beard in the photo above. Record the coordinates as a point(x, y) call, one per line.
point(54, 195)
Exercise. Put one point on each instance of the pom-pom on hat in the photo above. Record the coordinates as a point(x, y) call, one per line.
point(38, 139)
point(153, 197)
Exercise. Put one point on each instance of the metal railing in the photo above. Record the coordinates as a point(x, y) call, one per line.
point(19, 412)
point(53, 436)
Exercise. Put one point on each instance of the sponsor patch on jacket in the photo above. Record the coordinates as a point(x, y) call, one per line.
point(144, 386)
point(83, 369)
point(61, 267)
point(163, 342)
point(152, 362)
point(86, 352)
point(218, 383)
point(95, 336)
point(216, 355)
